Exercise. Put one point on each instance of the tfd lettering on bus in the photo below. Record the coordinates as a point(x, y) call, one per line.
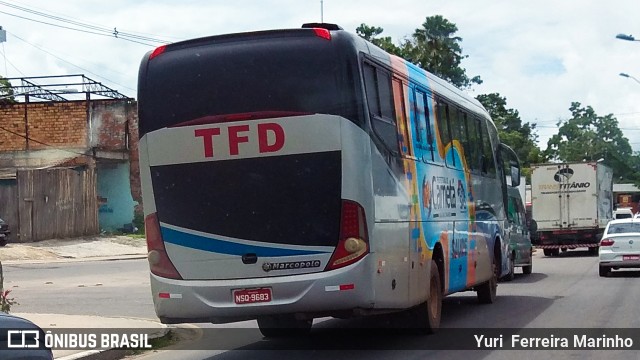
point(269, 137)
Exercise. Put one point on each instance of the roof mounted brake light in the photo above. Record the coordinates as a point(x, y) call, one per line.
point(159, 50)
point(323, 33)
point(322, 25)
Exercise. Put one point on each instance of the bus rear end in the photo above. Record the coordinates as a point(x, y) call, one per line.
point(242, 156)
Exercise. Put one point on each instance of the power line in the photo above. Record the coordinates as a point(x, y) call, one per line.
point(10, 63)
point(70, 63)
point(78, 20)
point(80, 30)
point(104, 31)
point(83, 60)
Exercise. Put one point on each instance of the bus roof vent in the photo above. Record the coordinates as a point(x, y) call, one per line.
point(327, 26)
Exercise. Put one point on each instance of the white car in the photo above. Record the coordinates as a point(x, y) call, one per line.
point(620, 246)
point(623, 213)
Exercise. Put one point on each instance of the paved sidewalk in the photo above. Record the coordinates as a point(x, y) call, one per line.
point(81, 249)
point(71, 323)
point(77, 249)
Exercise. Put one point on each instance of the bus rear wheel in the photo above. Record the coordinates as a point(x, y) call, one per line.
point(487, 292)
point(428, 314)
point(275, 326)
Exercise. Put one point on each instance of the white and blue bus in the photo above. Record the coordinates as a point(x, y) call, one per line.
point(294, 174)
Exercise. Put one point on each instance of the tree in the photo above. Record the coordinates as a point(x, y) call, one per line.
point(435, 48)
point(432, 47)
point(512, 131)
point(589, 137)
point(6, 92)
point(370, 33)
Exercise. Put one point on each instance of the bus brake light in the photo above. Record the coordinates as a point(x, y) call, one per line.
point(159, 50)
point(323, 33)
point(354, 242)
point(159, 262)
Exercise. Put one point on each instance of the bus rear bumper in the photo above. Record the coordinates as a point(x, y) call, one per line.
point(308, 295)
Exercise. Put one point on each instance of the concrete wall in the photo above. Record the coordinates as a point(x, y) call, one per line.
point(115, 203)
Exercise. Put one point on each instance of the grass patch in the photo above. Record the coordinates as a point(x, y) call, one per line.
point(130, 240)
point(157, 343)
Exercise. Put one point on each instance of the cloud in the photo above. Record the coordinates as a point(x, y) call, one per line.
point(540, 55)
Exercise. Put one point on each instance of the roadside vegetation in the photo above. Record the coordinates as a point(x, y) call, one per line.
point(586, 136)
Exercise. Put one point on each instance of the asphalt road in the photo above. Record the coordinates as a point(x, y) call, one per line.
point(102, 288)
point(562, 292)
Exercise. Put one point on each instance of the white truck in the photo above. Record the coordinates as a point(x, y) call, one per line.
point(571, 205)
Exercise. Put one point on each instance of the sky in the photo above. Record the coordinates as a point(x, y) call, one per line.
point(540, 55)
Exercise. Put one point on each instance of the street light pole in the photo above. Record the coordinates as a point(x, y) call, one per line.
point(630, 77)
point(626, 37)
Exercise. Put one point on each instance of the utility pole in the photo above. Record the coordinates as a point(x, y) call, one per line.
point(3, 39)
point(321, 11)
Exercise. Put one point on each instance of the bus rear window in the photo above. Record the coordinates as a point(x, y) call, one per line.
point(292, 74)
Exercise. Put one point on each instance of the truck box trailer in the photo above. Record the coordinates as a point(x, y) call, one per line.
point(571, 204)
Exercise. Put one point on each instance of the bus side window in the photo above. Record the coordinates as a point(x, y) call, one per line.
point(520, 208)
point(423, 128)
point(512, 210)
point(464, 139)
point(404, 138)
point(443, 129)
point(454, 126)
point(380, 101)
point(473, 136)
point(488, 163)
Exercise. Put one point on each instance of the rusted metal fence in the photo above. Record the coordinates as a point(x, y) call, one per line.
point(50, 203)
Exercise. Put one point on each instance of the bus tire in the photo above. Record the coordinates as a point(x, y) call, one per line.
point(275, 326)
point(512, 269)
point(487, 292)
point(428, 314)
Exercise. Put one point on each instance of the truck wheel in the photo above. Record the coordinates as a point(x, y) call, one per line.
point(487, 292)
point(4, 241)
point(283, 326)
point(547, 252)
point(555, 252)
point(427, 315)
point(593, 251)
point(527, 269)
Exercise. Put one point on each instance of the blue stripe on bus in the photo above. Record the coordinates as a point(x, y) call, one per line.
point(226, 247)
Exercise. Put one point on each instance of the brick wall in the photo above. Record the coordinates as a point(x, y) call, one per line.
point(134, 158)
point(59, 124)
point(113, 126)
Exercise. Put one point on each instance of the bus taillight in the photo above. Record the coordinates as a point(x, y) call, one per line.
point(354, 242)
point(323, 33)
point(159, 261)
point(159, 50)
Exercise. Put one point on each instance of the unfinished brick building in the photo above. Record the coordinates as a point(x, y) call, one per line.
point(90, 128)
